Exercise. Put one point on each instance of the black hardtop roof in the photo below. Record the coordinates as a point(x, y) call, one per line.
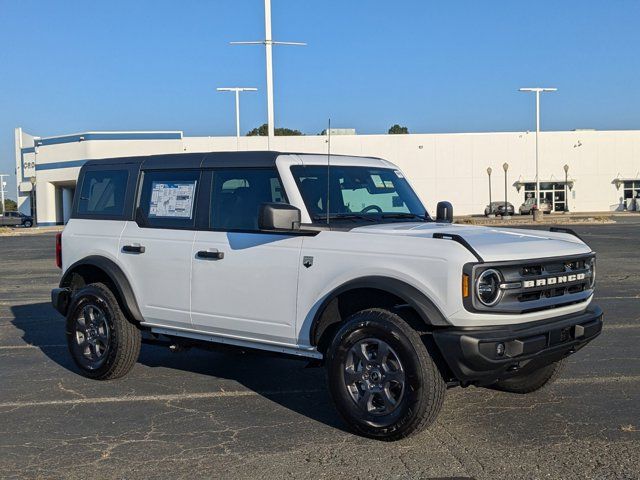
point(195, 160)
point(202, 159)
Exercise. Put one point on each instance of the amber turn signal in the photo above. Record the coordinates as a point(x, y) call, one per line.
point(465, 285)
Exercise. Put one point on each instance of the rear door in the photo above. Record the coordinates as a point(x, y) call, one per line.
point(155, 249)
point(244, 281)
point(100, 210)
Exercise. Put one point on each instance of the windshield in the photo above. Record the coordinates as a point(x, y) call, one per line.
point(365, 193)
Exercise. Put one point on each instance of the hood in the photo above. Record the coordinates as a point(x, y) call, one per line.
point(492, 244)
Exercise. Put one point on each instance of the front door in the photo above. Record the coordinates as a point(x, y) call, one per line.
point(244, 282)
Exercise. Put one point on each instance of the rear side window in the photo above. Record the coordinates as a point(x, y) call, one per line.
point(103, 193)
point(168, 198)
point(238, 194)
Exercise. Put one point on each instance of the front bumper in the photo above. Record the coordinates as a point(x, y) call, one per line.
point(473, 354)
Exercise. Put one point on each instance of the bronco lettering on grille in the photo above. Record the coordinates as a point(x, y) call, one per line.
point(543, 282)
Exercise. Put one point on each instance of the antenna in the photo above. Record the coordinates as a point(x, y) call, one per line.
point(328, 168)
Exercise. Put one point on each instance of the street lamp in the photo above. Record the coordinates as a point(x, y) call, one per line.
point(2, 185)
point(490, 208)
point(505, 166)
point(237, 91)
point(537, 91)
point(566, 184)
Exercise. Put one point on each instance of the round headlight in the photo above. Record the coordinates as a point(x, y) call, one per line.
point(488, 287)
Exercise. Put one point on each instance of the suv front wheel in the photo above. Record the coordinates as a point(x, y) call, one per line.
point(102, 342)
point(381, 377)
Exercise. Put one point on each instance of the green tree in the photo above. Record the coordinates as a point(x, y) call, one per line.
point(397, 129)
point(263, 131)
point(10, 205)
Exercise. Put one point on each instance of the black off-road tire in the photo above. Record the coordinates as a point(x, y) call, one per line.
point(122, 349)
point(532, 381)
point(27, 224)
point(422, 395)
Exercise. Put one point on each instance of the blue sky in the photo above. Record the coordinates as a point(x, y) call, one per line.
point(434, 66)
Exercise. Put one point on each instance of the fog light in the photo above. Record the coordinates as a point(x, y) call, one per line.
point(500, 349)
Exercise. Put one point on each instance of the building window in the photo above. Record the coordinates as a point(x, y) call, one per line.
point(553, 192)
point(631, 189)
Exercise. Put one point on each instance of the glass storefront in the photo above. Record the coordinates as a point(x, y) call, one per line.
point(552, 191)
point(631, 189)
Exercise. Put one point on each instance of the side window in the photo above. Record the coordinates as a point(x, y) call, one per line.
point(103, 193)
point(168, 198)
point(237, 195)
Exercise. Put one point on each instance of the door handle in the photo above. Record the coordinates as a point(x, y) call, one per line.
point(210, 254)
point(133, 249)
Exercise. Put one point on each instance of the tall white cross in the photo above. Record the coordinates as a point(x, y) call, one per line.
point(268, 42)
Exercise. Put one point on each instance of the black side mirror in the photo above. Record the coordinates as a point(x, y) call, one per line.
point(278, 216)
point(444, 212)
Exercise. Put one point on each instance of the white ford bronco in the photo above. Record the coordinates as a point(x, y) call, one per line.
point(334, 259)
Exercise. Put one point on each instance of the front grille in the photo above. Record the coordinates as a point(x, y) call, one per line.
point(539, 284)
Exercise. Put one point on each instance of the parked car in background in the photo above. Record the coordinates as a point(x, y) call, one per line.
point(527, 207)
point(497, 208)
point(13, 219)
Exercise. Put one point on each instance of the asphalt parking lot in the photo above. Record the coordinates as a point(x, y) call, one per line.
point(202, 414)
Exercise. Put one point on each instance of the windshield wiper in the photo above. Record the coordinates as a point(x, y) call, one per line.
point(347, 216)
point(404, 215)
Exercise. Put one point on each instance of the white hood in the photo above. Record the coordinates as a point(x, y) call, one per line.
point(492, 244)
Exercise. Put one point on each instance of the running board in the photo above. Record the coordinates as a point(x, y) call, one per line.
point(207, 337)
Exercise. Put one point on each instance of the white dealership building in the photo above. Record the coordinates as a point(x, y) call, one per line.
point(603, 166)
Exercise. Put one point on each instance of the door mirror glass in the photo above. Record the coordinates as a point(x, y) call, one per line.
point(278, 216)
point(444, 212)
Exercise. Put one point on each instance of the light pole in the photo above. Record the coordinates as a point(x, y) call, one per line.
point(2, 185)
point(490, 207)
point(268, 42)
point(237, 91)
point(566, 192)
point(33, 199)
point(505, 166)
point(537, 91)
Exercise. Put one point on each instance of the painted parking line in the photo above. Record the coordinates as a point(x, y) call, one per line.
point(626, 297)
point(156, 398)
point(250, 393)
point(597, 380)
point(29, 346)
point(621, 326)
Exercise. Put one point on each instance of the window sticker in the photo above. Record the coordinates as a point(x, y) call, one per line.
point(172, 199)
point(398, 173)
point(377, 181)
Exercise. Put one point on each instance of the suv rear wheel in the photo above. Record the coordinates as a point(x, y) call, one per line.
point(381, 377)
point(102, 342)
